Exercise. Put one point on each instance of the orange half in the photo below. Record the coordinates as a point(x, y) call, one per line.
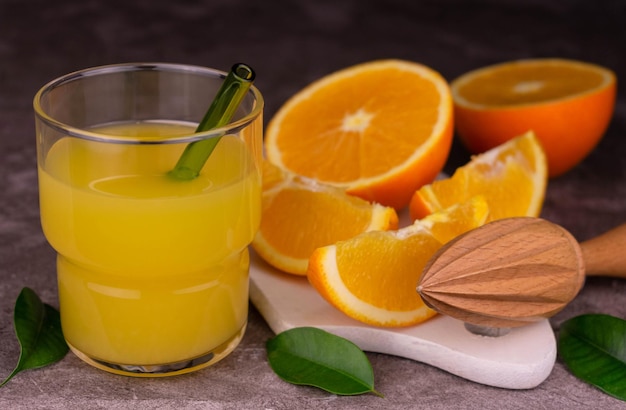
point(379, 130)
point(568, 104)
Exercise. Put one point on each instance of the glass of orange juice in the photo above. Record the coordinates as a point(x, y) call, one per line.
point(152, 270)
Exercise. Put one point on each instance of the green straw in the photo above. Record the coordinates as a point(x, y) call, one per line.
point(229, 96)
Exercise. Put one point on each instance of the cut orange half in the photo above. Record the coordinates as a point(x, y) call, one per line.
point(568, 104)
point(512, 177)
point(300, 215)
point(373, 277)
point(379, 130)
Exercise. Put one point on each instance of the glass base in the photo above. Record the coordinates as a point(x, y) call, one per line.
point(167, 369)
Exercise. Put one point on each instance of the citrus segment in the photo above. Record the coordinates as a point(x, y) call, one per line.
point(373, 276)
point(512, 177)
point(379, 130)
point(300, 215)
point(568, 104)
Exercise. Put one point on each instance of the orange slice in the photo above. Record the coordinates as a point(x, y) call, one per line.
point(300, 215)
point(373, 277)
point(380, 130)
point(512, 177)
point(568, 104)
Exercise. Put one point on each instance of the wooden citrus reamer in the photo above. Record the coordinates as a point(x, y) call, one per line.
point(516, 271)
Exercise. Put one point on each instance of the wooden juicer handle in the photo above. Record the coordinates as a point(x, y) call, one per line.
point(516, 271)
point(605, 255)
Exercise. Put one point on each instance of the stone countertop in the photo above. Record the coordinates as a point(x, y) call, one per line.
point(291, 44)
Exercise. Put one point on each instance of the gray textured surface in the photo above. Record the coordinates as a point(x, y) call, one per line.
point(291, 44)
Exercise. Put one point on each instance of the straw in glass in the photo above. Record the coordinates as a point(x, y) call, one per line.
point(229, 96)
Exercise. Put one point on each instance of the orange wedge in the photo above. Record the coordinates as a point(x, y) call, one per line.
point(379, 130)
point(300, 215)
point(567, 103)
point(512, 177)
point(373, 276)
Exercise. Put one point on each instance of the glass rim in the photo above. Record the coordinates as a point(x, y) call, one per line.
point(231, 127)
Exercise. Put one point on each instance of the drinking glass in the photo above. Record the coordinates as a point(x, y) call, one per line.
point(152, 270)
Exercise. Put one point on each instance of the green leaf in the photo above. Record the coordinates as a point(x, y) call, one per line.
point(38, 330)
point(314, 357)
point(593, 347)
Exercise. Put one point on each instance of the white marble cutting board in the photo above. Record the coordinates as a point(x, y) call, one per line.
point(521, 359)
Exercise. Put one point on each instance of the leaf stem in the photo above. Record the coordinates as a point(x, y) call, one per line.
point(229, 96)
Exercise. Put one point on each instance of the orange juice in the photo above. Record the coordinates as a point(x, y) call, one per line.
point(151, 270)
